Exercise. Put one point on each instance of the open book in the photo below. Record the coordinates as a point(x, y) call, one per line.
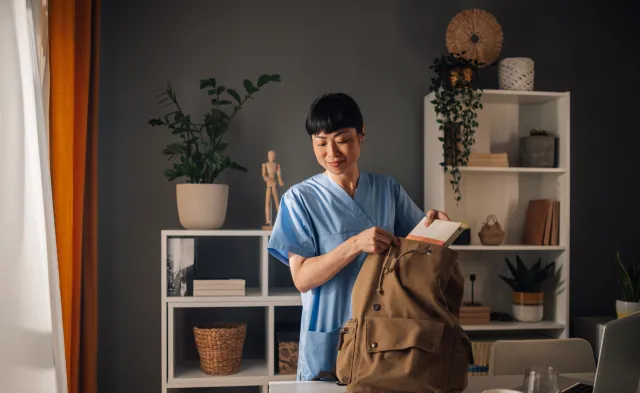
point(441, 233)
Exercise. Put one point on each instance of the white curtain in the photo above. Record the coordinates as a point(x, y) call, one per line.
point(32, 356)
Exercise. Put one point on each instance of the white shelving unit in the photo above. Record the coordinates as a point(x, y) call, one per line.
point(506, 116)
point(184, 374)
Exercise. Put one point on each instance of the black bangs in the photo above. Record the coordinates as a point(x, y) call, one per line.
point(332, 112)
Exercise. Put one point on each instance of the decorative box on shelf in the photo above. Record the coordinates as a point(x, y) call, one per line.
point(220, 287)
point(288, 338)
point(475, 315)
point(488, 160)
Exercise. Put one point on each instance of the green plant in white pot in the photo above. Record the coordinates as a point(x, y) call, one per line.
point(527, 297)
point(630, 285)
point(199, 151)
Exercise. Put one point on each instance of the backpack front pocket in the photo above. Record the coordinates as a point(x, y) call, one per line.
point(402, 354)
point(346, 351)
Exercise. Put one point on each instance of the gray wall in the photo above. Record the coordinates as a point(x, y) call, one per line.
point(377, 51)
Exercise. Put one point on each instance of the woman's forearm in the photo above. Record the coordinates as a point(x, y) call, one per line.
point(310, 273)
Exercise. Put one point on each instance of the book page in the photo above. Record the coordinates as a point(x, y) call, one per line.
point(440, 232)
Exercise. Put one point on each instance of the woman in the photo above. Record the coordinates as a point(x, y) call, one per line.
point(327, 224)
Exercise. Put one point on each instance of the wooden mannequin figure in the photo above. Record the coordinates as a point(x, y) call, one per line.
point(271, 173)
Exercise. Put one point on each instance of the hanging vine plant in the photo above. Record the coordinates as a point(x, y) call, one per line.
point(456, 101)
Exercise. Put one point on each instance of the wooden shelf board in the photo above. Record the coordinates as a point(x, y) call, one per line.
point(524, 170)
point(214, 232)
point(189, 375)
point(503, 326)
point(253, 298)
point(497, 96)
point(283, 378)
point(494, 96)
point(290, 294)
point(507, 247)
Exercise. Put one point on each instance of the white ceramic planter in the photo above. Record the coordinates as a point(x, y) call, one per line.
point(624, 309)
point(527, 307)
point(202, 206)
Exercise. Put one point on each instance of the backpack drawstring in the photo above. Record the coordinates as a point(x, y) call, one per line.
point(390, 263)
point(388, 266)
point(382, 271)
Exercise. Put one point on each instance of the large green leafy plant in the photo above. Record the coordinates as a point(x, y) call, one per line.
point(456, 101)
point(528, 280)
point(629, 280)
point(199, 153)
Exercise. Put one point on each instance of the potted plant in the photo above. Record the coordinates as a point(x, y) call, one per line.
point(527, 297)
point(199, 153)
point(456, 101)
point(630, 285)
point(538, 149)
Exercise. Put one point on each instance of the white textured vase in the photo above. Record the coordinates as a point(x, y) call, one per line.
point(624, 309)
point(202, 206)
point(516, 73)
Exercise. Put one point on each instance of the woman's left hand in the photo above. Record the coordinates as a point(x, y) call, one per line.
point(435, 215)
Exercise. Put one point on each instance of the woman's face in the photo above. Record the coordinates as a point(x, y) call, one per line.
point(338, 152)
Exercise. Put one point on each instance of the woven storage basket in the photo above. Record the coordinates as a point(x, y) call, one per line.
point(220, 347)
point(516, 73)
point(491, 233)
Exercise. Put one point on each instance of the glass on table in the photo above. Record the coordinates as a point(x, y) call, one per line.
point(540, 380)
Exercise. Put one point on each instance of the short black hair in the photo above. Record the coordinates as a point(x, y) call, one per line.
point(333, 111)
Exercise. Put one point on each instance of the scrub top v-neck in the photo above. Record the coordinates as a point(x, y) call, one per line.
point(317, 215)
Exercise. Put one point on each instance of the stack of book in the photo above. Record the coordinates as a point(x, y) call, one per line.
point(224, 287)
point(496, 160)
point(475, 315)
point(542, 223)
point(481, 352)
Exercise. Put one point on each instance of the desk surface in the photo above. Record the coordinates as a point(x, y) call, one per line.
point(476, 384)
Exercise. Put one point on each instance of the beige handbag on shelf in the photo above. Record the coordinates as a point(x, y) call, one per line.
point(491, 233)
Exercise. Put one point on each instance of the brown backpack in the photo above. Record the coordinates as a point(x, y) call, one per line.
point(404, 334)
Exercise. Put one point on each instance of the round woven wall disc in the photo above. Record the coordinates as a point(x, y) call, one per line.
point(477, 33)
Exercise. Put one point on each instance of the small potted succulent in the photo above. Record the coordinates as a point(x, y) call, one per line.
point(527, 297)
point(630, 285)
point(537, 150)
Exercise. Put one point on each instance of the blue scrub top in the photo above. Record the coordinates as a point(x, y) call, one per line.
point(314, 217)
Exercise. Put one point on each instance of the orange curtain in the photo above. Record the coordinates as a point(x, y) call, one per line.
point(73, 115)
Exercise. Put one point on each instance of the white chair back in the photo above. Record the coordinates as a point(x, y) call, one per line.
point(512, 357)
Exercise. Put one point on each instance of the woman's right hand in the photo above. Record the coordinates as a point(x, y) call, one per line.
point(309, 273)
point(375, 240)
